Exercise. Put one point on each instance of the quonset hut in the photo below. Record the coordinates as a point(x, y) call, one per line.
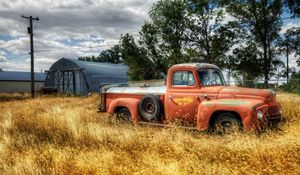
point(82, 77)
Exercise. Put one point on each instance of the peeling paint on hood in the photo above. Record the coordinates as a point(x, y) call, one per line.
point(230, 102)
point(246, 92)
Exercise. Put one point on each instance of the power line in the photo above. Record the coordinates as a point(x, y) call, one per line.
point(13, 18)
point(16, 56)
point(77, 48)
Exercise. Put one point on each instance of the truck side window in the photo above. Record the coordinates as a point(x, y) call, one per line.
point(183, 78)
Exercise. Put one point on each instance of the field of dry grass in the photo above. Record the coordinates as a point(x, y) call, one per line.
point(66, 135)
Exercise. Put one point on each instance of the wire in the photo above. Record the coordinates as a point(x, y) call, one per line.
point(15, 18)
point(14, 57)
point(77, 48)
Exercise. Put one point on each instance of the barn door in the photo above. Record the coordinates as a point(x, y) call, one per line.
point(64, 81)
point(68, 81)
point(58, 81)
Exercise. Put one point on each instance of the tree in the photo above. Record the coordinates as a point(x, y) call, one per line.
point(169, 19)
point(149, 41)
point(112, 55)
point(290, 45)
point(294, 84)
point(207, 32)
point(247, 64)
point(263, 21)
point(293, 7)
point(293, 35)
point(140, 66)
point(87, 58)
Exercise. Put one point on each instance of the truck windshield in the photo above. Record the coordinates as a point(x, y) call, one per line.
point(211, 77)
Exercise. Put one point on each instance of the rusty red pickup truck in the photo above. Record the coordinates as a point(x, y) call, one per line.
point(195, 93)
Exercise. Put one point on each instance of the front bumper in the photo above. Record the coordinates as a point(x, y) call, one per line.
point(274, 122)
point(273, 117)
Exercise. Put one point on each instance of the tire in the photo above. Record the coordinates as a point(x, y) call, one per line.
point(150, 108)
point(226, 123)
point(123, 116)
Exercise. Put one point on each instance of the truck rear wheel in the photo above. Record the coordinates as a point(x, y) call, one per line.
point(226, 123)
point(123, 116)
point(150, 108)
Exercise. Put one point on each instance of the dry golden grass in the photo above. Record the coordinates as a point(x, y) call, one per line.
point(65, 135)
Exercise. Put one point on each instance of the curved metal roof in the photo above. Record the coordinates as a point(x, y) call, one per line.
point(90, 67)
point(97, 68)
point(94, 72)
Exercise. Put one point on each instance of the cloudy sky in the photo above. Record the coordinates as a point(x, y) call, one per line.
point(69, 28)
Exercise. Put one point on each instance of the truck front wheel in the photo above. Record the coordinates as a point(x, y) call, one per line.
point(123, 116)
point(226, 123)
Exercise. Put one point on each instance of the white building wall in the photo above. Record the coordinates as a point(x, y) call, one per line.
point(19, 86)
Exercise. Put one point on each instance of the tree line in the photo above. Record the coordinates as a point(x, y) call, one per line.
point(242, 36)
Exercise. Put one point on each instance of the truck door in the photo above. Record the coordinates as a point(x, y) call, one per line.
point(182, 96)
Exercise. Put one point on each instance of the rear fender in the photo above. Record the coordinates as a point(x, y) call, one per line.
point(130, 103)
point(242, 107)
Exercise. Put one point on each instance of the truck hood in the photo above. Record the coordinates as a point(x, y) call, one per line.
point(238, 92)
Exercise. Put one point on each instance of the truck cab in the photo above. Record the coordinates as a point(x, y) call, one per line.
point(197, 93)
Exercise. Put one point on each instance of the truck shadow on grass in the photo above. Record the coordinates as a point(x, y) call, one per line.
point(189, 128)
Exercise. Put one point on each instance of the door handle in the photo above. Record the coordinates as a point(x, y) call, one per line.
point(171, 98)
point(205, 96)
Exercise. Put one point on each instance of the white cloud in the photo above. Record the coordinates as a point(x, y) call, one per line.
point(288, 26)
point(16, 46)
point(2, 58)
point(14, 66)
point(293, 60)
point(96, 24)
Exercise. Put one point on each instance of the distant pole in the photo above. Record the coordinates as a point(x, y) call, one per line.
point(287, 60)
point(30, 31)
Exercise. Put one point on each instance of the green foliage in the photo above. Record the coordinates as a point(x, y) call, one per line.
point(262, 21)
point(206, 32)
point(148, 40)
point(195, 31)
point(294, 83)
point(170, 20)
point(247, 65)
point(87, 58)
point(112, 55)
point(293, 7)
point(292, 38)
point(140, 66)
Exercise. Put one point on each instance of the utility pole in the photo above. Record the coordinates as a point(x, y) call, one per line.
point(287, 60)
point(30, 31)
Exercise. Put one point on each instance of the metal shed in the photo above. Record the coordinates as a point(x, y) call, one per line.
point(82, 77)
point(12, 81)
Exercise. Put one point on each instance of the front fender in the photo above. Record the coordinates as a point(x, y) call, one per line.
point(243, 107)
point(131, 104)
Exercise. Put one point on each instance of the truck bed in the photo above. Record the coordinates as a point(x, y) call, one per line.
point(157, 90)
point(110, 92)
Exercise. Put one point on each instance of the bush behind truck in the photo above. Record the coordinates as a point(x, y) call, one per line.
point(195, 93)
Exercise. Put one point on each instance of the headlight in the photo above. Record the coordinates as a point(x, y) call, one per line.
point(280, 111)
point(260, 115)
point(273, 93)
